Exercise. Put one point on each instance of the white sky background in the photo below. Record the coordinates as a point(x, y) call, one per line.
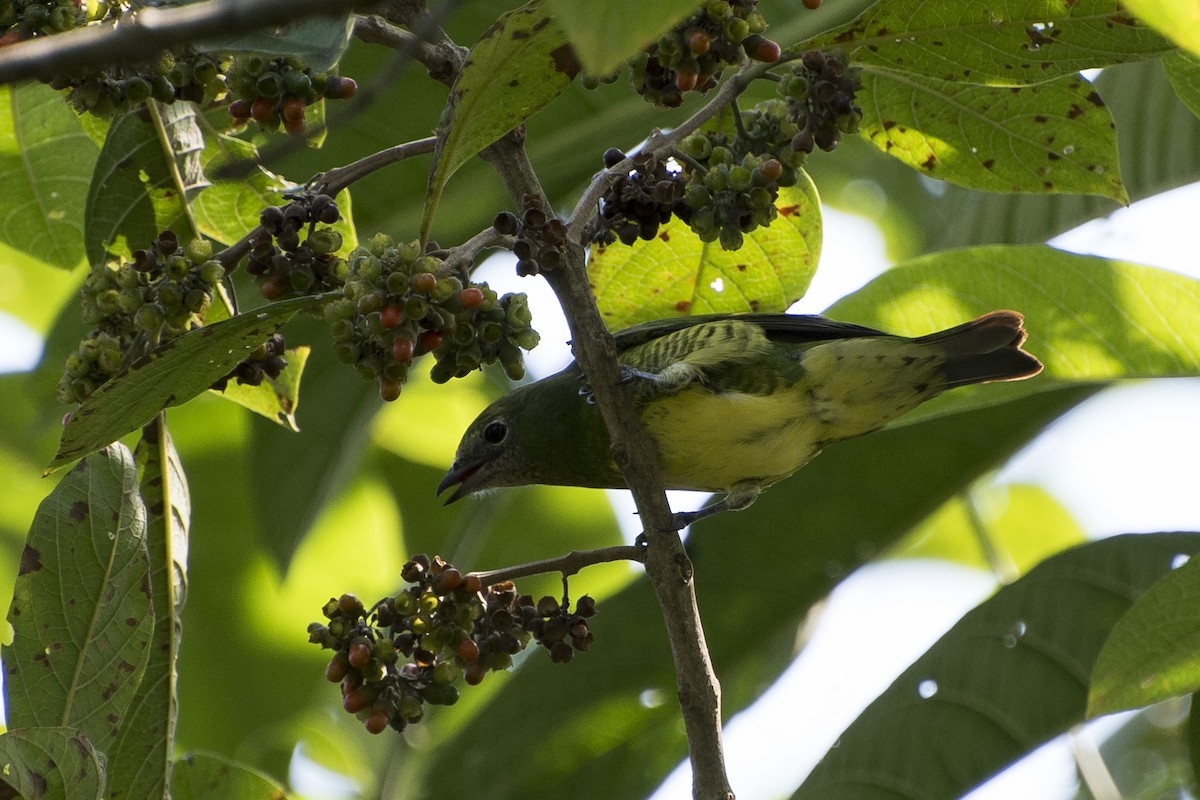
point(1125, 461)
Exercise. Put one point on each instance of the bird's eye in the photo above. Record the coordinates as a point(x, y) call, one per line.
point(495, 432)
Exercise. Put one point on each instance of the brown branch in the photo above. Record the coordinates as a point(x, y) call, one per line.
point(567, 565)
point(442, 59)
point(667, 564)
point(141, 34)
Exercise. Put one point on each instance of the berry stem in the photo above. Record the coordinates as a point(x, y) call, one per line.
point(567, 565)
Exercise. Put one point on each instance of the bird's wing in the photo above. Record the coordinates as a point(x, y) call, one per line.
point(779, 327)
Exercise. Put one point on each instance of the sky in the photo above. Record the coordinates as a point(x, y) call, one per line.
point(1124, 461)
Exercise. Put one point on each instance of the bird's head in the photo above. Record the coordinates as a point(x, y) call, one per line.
point(541, 433)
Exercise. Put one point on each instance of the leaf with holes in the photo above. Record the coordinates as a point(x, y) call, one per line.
point(81, 611)
point(1010, 675)
point(169, 375)
point(1006, 43)
point(520, 64)
point(675, 273)
point(1056, 137)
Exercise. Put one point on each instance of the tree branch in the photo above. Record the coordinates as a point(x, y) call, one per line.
point(667, 564)
point(143, 33)
point(568, 564)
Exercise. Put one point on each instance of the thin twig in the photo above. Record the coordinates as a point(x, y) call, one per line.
point(567, 565)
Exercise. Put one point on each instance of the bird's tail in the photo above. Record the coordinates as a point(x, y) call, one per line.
point(985, 349)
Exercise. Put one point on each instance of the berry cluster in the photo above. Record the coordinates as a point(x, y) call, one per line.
point(540, 236)
point(25, 19)
point(691, 56)
point(275, 92)
point(399, 303)
point(183, 74)
point(135, 306)
point(265, 362)
point(734, 181)
point(636, 203)
point(820, 93)
point(289, 265)
point(411, 649)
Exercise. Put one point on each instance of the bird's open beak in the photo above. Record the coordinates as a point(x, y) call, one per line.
point(462, 475)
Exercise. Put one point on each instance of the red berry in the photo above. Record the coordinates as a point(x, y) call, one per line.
point(274, 288)
point(686, 81)
point(402, 350)
point(360, 654)
point(472, 584)
point(467, 650)
point(262, 108)
point(470, 297)
point(447, 581)
point(430, 340)
point(424, 282)
point(812, 5)
point(294, 127)
point(376, 721)
point(354, 702)
point(240, 109)
point(390, 316)
point(11, 37)
point(761, 49)
point(293, 108)
point(474, 673)
point(338, 666)
point(389, 390)
point(338, 88)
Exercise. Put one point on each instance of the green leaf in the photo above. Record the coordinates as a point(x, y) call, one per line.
point(1011, 674)
point(810, 530)
point(1089, 319)
point(171, 374)
point(1159, 144)
point(139, 761)
point(520, 64)
point(605, 35)
point(201, 776)
point(318, 41)
point(675, 273)
point(81, 609)
point(1055, 137)
point(133, 195)
point(52, 763)
point(1183, 70)
point(1006, 43)
point(46, 162)
point(1150, 654)
point(274, 398)
point(1178, 20)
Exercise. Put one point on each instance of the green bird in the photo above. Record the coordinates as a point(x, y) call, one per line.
point(734, 403)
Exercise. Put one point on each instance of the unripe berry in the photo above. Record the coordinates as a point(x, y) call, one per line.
point(424, 283)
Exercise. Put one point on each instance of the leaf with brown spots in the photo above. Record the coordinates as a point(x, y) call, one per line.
point(679, 274)
point(1178, 20)
point(51, 763)
point(274, 398)
point(169, 375)
point(1048, 138)
point(70, 617)
point(519, 65)
point(1004, 43)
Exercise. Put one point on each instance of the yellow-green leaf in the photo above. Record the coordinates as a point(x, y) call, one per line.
point(274, 398)
point(1056, 137)
point(606, 34)
point(1178, 20)
point(675, 273)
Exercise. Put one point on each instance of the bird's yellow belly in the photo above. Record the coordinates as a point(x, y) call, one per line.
point(710, 441)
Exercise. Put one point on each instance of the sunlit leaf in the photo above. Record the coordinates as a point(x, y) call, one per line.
point(171, 374)
point(1183, 70)
point(139, 761)
point(675, 273)
point(1011, 674)
point(1089, 319)
point(1179, 20)
point(1150, 654)
point(46, 163)
point(520, 64)
point(1055, 137)
point(81, 610)
point(51, 762)
point(318, 41)
point(1006, 43)
point(606, 34)
point(274, 398)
